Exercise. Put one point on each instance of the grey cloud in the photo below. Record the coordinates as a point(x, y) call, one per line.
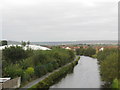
point(60, 20)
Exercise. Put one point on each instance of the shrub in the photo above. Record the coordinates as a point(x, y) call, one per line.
point(40, 70)
point(49, 67)
point(13, 71)
point(115, 83)
point(30, 71)
point(25, 63)
point(86, 52)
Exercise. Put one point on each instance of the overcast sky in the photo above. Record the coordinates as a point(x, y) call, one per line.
point(59, 20)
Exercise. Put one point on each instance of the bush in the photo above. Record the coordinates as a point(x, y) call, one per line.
point(55, 64)
point(25, 63)
point(40, 70)
point(40, 57)
point(80, 51)
point(115, 83)
point(86, 52)
point(49, 67)
point(30, 71)
point(13, 71)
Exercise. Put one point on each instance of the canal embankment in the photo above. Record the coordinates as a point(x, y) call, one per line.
point(56, 75)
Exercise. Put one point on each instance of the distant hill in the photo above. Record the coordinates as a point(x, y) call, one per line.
point(78, 42)
point(69, 42)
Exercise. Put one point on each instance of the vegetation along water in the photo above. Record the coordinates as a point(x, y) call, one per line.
point(32, 64)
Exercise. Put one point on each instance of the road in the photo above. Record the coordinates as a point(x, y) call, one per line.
point(42, 78)
point(36, 81)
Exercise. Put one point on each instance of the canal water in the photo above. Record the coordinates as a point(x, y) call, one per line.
point(85, 75)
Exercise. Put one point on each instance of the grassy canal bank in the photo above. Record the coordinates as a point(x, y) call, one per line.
point(56, 76)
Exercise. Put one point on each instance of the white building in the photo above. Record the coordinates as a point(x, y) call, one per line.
point(34, 47)
point(101, 49)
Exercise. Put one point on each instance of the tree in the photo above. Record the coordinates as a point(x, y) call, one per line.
point(40, 70)
point(49, 67)
point(23, 43)
point(13, 70)
point(71, 54)
point(28, 43)
point(28, 62)
point(4, 42)
point(40, 58)
point(13, 54)
point(80, 51)
point(87, 52)
point(109, 68)
point(106, 52)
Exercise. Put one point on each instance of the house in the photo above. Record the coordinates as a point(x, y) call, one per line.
point(101, 49)
point(70, 47)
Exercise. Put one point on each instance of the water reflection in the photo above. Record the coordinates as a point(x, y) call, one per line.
point(85, 75)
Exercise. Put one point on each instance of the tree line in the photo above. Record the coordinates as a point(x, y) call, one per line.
point(109, 64)
point(5, 42)
point(109, 67)
point(30, 64)
point(86, 51)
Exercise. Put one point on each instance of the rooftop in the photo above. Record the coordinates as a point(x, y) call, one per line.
point(4, 79)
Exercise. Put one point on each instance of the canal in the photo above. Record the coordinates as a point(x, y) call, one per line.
point(85, 75)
